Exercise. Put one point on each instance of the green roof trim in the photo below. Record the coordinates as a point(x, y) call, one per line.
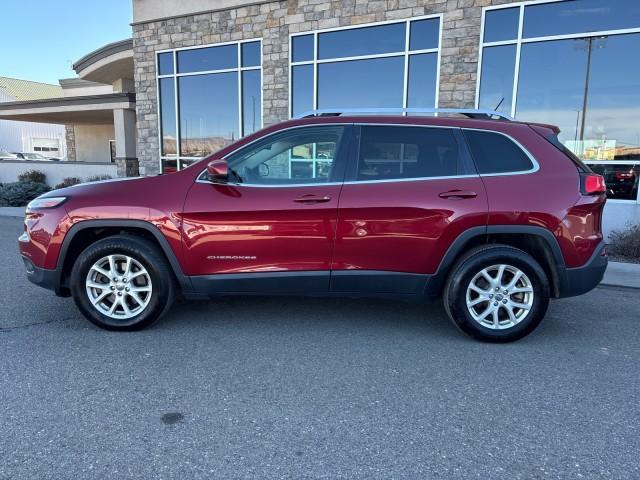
point(23, 90)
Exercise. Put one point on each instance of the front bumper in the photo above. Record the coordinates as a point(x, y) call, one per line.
point(42, 277)
point(580, 280)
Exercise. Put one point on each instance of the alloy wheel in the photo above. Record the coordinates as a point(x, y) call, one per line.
point(119, 287)
point(499, 297)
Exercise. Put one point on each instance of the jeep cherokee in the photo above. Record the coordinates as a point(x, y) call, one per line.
point(491, 215)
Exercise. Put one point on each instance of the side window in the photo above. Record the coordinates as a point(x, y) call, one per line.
point(496, 153)
point(302, 155)
point(399, 152)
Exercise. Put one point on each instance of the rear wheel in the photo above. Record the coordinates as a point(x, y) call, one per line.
point(497, 294)
point(122, 283)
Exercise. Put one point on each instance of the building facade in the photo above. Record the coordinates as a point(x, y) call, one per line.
point(94, 115)
point(208, 72)
point(30, 137)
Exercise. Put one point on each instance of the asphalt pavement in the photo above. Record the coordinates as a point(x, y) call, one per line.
point(252, 387)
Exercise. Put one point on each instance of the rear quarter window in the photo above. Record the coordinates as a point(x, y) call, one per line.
point(496, 153)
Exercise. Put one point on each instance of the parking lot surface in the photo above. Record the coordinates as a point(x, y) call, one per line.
point(266, 388)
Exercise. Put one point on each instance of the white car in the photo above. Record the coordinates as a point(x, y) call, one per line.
point(37, 157)
point(7, 156)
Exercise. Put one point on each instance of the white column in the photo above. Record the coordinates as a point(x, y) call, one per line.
point(124, 122)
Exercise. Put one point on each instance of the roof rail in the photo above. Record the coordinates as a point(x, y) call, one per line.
point(468, 112)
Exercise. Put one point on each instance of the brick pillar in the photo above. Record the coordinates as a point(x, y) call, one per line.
point(70, 140)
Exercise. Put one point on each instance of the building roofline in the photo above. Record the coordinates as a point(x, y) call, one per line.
point(103, 52)
point(79, 83)
point(69, 101)
point(197, 12)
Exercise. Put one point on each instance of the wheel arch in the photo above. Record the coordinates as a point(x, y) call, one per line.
point(538, 242)
point(85, 232)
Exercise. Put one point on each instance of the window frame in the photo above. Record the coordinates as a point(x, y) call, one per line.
point(406, 53)
point(354, 155)
point(352, 167)
point(239, 70)
point(341, 160)
point(520, 40)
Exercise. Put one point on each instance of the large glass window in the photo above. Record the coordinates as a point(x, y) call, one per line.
point(303, 155)
point(571, 64)
point(496, 84)
point(385, 65)
point(580, 16)
point(208, 98)
point(350, 84)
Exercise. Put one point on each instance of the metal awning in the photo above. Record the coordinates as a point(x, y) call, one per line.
point(90, 109)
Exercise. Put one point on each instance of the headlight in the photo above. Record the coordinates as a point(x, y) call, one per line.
point(46, 202)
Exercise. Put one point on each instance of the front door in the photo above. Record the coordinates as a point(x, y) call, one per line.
point(272, 225)
point(408, 193)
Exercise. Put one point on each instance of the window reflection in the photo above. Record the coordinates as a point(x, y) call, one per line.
point(213, 108)
point(251, 54)
point(551, 85)
point(167, 117)
point(169, 165)
point(422, 80)
point(165, 63)
point(613, 98)
point(361, 83)
point(589, 85)
point(209, 58)
point(578, 16)
point(302, 46)
point(290, 157)
point(301, 89)
point(362, 41)
point(425, 34)
point(392, 75)
point(251, 101)
point(501, 24)
point(621, 180)
point(496, 83)
point(208, 113)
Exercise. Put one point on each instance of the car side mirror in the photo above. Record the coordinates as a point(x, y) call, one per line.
point(218, 170)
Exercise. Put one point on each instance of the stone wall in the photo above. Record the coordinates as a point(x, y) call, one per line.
point(70, 139)
point(274, 22)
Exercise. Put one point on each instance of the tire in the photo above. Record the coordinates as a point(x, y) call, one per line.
point(130, 303)
point(469, 293)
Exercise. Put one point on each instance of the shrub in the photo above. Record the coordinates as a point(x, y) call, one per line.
point(67, 182)
point(32, 176)
point(626, 243)
point(97, 178)
point(18, 194)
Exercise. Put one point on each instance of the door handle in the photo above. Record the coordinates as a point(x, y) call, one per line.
point(458, 194)
point(312, 199)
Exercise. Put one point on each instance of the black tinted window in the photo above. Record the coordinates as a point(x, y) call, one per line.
point(496, 153)
point(408, 152)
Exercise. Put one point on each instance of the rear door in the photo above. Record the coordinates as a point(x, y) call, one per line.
point(409, 192)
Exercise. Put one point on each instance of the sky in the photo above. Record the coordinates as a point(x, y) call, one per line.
point(41, 39)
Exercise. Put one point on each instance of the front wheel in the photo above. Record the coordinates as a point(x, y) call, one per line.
point(497, 294)
point(122, 283)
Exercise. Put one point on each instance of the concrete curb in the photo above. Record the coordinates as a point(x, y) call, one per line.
point(620, 274)
point(13, 212)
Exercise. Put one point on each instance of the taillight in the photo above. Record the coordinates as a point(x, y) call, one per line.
point(592, 184)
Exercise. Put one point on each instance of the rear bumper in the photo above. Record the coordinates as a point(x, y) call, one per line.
point(580, 280)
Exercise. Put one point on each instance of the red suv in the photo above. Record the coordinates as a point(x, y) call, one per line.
point(493, 216)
